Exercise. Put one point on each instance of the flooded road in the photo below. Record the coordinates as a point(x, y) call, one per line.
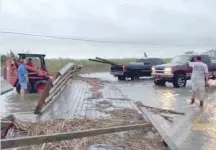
point(5, 86)
point(145, 91)
point(142, 90)
point(89, 98)
point(11, 103)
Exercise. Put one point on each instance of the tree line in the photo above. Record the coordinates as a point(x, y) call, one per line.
point(10, 54)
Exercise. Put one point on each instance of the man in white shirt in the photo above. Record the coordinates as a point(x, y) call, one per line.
point(199, 79)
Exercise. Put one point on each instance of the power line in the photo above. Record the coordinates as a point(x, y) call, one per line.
point(67, 38)
point(88, 40)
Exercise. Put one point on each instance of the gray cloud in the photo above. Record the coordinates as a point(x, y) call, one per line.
point(167, 22)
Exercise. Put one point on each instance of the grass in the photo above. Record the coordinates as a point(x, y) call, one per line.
point(53, 65)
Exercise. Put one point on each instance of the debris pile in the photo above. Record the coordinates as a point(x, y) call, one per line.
point(146, 138)
point(130, 140)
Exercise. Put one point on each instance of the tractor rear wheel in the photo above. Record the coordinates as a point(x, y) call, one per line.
point(39, 86)
point(18, 88)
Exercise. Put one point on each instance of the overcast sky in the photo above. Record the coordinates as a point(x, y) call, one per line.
point(160, 25)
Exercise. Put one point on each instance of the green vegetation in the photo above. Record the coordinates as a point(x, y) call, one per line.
point(88, 66)
point(7, 55)
point(53, 65)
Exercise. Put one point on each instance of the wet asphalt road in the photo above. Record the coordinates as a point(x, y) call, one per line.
point(145, 91)
point(142, 90)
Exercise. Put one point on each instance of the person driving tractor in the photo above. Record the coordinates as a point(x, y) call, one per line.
point(29, 62)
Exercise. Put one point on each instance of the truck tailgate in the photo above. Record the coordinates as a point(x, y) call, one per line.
point(139, 66)
point(116, 68)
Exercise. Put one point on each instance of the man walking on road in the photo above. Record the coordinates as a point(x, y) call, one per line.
point(199, 79)
point(23, 78)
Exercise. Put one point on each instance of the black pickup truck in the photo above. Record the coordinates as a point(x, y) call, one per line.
point(140, 68)
point(178, 71)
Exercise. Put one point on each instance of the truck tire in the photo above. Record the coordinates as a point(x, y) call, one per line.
point(179, 80)
point(160, 82)
point(121, 78)
point(134, 77)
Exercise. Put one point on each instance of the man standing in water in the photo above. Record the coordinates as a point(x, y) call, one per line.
point(199, 79)
point(23, 78)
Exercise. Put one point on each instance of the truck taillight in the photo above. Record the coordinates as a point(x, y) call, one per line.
point(124, 68)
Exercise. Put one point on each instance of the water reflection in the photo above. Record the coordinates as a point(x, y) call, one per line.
point(211, 130)
point(4, 85)
point(102, 75)
point(166, 97)
point(11, 103)
point(210, 133)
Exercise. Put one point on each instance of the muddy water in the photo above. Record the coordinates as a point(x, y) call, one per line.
point(5, 87)
point(11, 103)
point(142, 90)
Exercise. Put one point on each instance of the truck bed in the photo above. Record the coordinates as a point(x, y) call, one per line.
point(132, 70)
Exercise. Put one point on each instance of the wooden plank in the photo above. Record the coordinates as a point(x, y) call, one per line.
point(56, 90)
point(140, 104)
point(6, 124)
point(6, 120)
point(66, 68)
point(43, 96)
point(162, 133)
point(49, 103)
point(63, 71)
point(35, 140)
point(52, 88)
point(60, 81)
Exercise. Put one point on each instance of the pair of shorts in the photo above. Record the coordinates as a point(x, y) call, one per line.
point(24, 85)
point(198, 85)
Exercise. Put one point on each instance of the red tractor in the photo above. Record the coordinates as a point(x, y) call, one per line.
point(37, 75)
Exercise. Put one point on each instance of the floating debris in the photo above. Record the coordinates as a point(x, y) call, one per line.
point(120, 99)
point(130, 140)
point(158, 110)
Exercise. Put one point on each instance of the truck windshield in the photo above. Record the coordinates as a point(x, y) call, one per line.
point(181, 59)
